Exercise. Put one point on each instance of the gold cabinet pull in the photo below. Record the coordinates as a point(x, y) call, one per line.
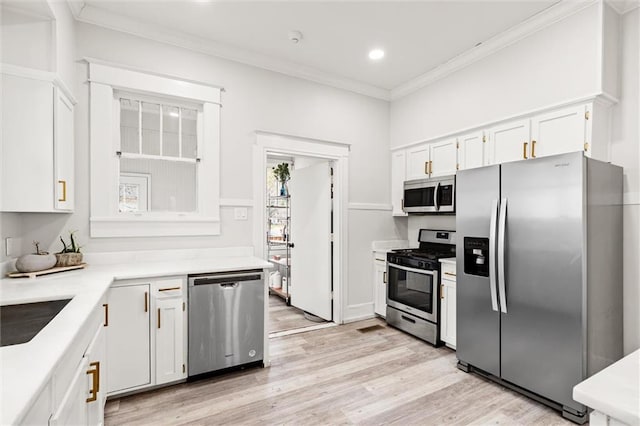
point(384, 277)
point(158, 317)
point(524, 150)
point(169, 288)
point(146, 302)
point(64, 190)
point(441, 291)
point(533, 149)
point(430, 167)
point(106, 314)
point(95, 381)
point(450, 273)
point(426, 167)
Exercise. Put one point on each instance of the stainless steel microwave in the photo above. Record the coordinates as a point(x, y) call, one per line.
point(432, 195)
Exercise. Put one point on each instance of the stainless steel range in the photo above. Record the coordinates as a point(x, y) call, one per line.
point(413, 279)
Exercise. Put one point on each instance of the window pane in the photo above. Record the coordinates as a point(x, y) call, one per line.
point(129, 124)
point(189, 133)
point(150, 128)
point(170, 123)
point(157, 185)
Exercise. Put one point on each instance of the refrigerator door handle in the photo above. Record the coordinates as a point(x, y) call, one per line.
point(493, 285)
point(502, 222)
point(435, 196)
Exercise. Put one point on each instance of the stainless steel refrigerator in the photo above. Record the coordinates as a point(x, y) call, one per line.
point(539, 274)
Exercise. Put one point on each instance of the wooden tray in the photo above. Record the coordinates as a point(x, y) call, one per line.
point(55, 270)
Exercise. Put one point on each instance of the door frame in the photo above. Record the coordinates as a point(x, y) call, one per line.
point(273, 143)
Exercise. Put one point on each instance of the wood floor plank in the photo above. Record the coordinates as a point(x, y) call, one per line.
point(338, 375)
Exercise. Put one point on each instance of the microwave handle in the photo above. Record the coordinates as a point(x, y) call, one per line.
point(435, 196)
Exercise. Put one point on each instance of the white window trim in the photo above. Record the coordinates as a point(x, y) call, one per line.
point(106, 221)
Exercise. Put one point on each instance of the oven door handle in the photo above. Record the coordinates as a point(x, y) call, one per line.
point(417, 271)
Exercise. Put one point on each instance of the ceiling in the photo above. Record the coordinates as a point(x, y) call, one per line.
point(417, 36)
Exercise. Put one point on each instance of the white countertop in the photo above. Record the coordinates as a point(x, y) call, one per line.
point(26, 368)
point(614, 391)
point(450, 260)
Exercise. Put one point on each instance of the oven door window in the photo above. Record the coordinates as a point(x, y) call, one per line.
point(419, 197)
point(411, 288)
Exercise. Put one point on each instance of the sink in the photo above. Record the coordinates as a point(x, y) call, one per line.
point(20, 323)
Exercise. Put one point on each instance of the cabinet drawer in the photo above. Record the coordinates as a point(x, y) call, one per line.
point(170, 287)
point(448, 271)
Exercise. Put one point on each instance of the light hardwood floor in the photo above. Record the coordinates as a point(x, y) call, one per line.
point(360, 373)
point(283, 317)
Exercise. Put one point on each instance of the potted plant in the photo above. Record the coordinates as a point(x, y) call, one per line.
point(38, 261)
point(70, 254)
point(281, 172)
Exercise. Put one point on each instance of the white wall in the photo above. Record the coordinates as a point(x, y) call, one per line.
point(26, 40)
point(625, 151)
point(255, 99)
point(556, 64)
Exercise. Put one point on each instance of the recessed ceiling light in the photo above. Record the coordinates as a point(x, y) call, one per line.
point(376, 54)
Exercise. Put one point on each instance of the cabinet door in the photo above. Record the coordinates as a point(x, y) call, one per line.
point(471, 151)
point(380, 288)
point(558, 132)
point(169, 329)
point(418, 162)
point(97, 356)
point(128, 343)
point(398, 176)
point(63, 149)
point(450, 302)
point(73, 408)
point(443, 157)
point(27, 145)
point(509, 142)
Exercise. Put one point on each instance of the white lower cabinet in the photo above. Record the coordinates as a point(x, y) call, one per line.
point(147, 331)
point(448, 305)
point(73, 409)
point(380, 286)
point(128, 338)
point(170, 338)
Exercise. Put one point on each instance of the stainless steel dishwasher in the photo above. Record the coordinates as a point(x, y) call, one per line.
point(226, 320)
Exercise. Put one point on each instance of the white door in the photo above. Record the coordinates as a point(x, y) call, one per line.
point(310, 285)
point(443, 157)
point(96, 356)
point(128, 343)
point(398, 175)
point(448, 313)
point(418, 162)
point(558, 132)
point(509, 142)
point(471, 153)
point(169, 329)
point(73, 408)
point(63, 148)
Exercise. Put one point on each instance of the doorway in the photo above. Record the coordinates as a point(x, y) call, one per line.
point(307, 158)
point(298, 241)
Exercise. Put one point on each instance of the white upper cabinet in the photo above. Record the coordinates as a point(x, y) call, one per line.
point(559, 131)
point(418, 162)
point(509, 141)
point(443, 159)
point(472, 150)
point(63, 149)
point(37, 143)
point(398, 176)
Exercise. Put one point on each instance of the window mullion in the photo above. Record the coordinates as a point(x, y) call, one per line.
point(161, 128)
point(180, 132)
point(139, 127)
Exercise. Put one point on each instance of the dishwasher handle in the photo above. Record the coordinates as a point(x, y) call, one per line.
point(224, 279)
point(230, 285)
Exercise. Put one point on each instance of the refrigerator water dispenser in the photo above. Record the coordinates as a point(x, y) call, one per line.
point(476, 256)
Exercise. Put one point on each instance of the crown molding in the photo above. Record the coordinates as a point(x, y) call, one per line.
point(623, 6)
point(516, 33)
point(96, 16)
